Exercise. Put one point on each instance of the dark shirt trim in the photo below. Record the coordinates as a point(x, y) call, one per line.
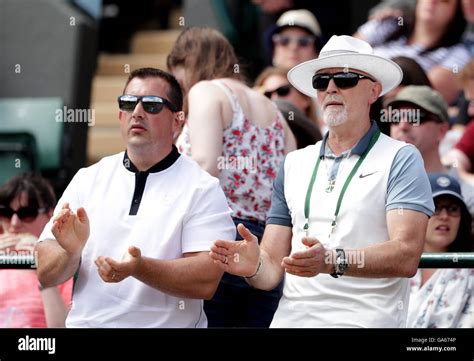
point(361, 145)
point(141, 177)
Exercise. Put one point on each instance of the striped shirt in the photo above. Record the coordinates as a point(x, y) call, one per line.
point(377, 32)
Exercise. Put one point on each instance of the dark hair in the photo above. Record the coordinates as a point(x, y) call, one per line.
point(38, 190)
point(451, 36)
point(174, 94)
point(413, 73)
point(205, 54)
point(463, 240)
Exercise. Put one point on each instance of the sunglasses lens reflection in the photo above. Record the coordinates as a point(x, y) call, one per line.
point(151, 104)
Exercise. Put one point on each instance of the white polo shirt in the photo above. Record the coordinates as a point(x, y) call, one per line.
point(173, 209)
point(391, 177)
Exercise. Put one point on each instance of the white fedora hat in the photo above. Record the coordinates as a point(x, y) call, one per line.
point(349, 53)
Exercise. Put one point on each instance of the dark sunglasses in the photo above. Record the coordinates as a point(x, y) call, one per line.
point(301, 41)
point(152, 104)
point(343, 80)
point(281, 91)
point(453, 210)
point(26, 214)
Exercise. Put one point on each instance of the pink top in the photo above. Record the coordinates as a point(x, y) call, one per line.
point(251, 158)
point(21, 305)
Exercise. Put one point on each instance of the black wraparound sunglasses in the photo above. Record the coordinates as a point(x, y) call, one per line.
point(152, 104)
point(343, 80)
point(282, 91)
point(26, 214)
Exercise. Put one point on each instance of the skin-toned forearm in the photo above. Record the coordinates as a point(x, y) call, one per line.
point(397, 257)
point(55, 265)
point(386, 259)
point(276, 244)
point(269, 275)
point(55, 310)
point(189, 277)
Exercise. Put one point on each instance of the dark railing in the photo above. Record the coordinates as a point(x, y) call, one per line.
point(447, 260)
point(428, 260)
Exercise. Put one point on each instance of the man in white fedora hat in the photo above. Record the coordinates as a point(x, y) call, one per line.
point(349, 214)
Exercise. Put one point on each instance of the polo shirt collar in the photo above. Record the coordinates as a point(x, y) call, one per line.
point(361, 145)
point(163, 164)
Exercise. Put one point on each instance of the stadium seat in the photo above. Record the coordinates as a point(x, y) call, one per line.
point(37, 117)
point(17, 154)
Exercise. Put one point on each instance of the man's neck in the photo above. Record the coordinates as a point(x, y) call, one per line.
point(345, 136)
point(145, 158)
point(432, 162)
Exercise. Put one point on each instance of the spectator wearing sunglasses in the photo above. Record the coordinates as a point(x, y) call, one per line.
point(273, 83)
point(303, 121)
point(413, 74)
point(335, 231)
point(239, 136)
point(418, 115)
point(296, 38)
point(141, 252)
point(26, 205)
point(444, 298)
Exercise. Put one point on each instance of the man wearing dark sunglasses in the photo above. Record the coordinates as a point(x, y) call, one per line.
point(418, 115)
point(141, 251)
point(355, 204)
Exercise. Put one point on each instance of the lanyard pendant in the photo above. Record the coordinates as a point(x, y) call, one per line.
point(306, 227)
point(330, 186)
point(333, 226)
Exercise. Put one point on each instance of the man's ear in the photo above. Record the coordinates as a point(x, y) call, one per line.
point(443, 129)
point(375, 92)
point(178, 120)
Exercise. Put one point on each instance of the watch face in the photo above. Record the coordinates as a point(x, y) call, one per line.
point(341, 265)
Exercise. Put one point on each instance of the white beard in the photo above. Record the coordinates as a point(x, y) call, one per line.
point(335, 117)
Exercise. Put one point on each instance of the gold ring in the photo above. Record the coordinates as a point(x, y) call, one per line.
point(226, 260)
point(113, 275)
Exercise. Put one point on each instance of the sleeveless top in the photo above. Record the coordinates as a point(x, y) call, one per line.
point(347, 301)
point(250, 160)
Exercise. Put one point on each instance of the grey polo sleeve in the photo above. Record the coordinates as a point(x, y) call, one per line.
point(279, 213)
point(408, 184)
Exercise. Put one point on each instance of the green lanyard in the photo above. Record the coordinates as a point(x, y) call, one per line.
point(373, 140)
